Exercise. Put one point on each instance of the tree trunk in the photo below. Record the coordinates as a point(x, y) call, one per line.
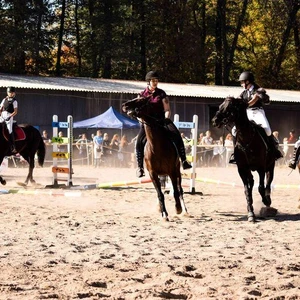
point(297, 43)
point(108, 44)
point(220, 21)
point(231, 52)
point(78, 40)
point(293, 8)
point(58, 71)
point(93, 44)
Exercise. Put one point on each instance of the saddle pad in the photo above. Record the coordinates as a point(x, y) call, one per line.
point(18, 132)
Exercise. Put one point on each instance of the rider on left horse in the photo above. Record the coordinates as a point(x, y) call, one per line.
point(256, 97)
point(293, 162)
point(8, 109)
point(159, 99)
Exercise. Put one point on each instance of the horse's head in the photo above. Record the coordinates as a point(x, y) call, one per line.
point(229, 111)
point(135, 107)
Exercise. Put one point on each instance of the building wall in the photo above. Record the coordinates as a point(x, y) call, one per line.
point(37, 107)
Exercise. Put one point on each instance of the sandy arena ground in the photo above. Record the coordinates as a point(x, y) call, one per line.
point(111, 243)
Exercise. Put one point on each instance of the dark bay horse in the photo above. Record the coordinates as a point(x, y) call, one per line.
point(161, 156)
point(28, 142)
point(251, 153)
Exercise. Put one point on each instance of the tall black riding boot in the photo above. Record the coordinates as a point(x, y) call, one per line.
point(294, 160)
point(273, 144)
point(140, 161)
point(182, 155)
point(12, 143)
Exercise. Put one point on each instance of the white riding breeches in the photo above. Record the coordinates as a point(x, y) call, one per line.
point(257, 115)
point(10, 122)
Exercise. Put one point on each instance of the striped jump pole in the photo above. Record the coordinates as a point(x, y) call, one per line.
point(194, 128)
point(62, 155)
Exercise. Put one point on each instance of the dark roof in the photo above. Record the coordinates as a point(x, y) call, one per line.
point(128, 86)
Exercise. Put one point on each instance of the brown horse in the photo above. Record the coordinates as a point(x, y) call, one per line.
point(161, 156)
point(251, 151)
point(28, 142)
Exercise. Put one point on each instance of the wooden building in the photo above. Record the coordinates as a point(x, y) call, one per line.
point(40, 98)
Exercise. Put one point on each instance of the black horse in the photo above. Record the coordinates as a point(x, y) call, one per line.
point(28, 142)
point(251, 151)
point(161, 157)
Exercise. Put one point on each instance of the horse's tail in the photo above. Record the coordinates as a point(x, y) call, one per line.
point(41, 152)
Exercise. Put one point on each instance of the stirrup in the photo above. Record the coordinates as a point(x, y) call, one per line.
point(140, 172)
point(186, 165)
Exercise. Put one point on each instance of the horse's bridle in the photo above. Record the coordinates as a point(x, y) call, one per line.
point(138, 109)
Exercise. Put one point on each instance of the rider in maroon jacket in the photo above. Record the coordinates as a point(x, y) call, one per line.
point(162, 112)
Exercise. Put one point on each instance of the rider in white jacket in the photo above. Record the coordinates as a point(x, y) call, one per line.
point(8, 109)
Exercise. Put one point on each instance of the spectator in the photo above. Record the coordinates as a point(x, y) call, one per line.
point(106, 150)
point(124, 154)
point(45, 137)
point(228, 143)
point(292, 137)
point(208, 153)
point(114, 145)
point(97, 142)
point(60, 145)
point(82, 146)
point(200, 151)
point(187, 144)
point(218, 153)
point(285, 148)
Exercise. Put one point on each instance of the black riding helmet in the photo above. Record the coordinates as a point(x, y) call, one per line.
point(11, 89)
point(247, 76)
point(151, 75)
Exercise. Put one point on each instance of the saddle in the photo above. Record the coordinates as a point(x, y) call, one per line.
point(17, 130)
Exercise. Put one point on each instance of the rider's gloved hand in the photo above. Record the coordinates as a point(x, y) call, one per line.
point(7, 119)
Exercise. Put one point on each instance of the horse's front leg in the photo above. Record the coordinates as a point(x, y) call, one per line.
point(178, 193)
point(2, 181)
point(160, 196)
point(248, 182)
point(29, 177)
point(261, 185)
point(269, 179)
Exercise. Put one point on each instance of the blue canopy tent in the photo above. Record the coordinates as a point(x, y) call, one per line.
point(109, 119)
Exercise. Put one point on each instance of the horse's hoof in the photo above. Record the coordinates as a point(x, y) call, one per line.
point(178, 210)
point(165, 216)
point(3, 181)
point(22, 183)
point(251, 217)
point(267, 201)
